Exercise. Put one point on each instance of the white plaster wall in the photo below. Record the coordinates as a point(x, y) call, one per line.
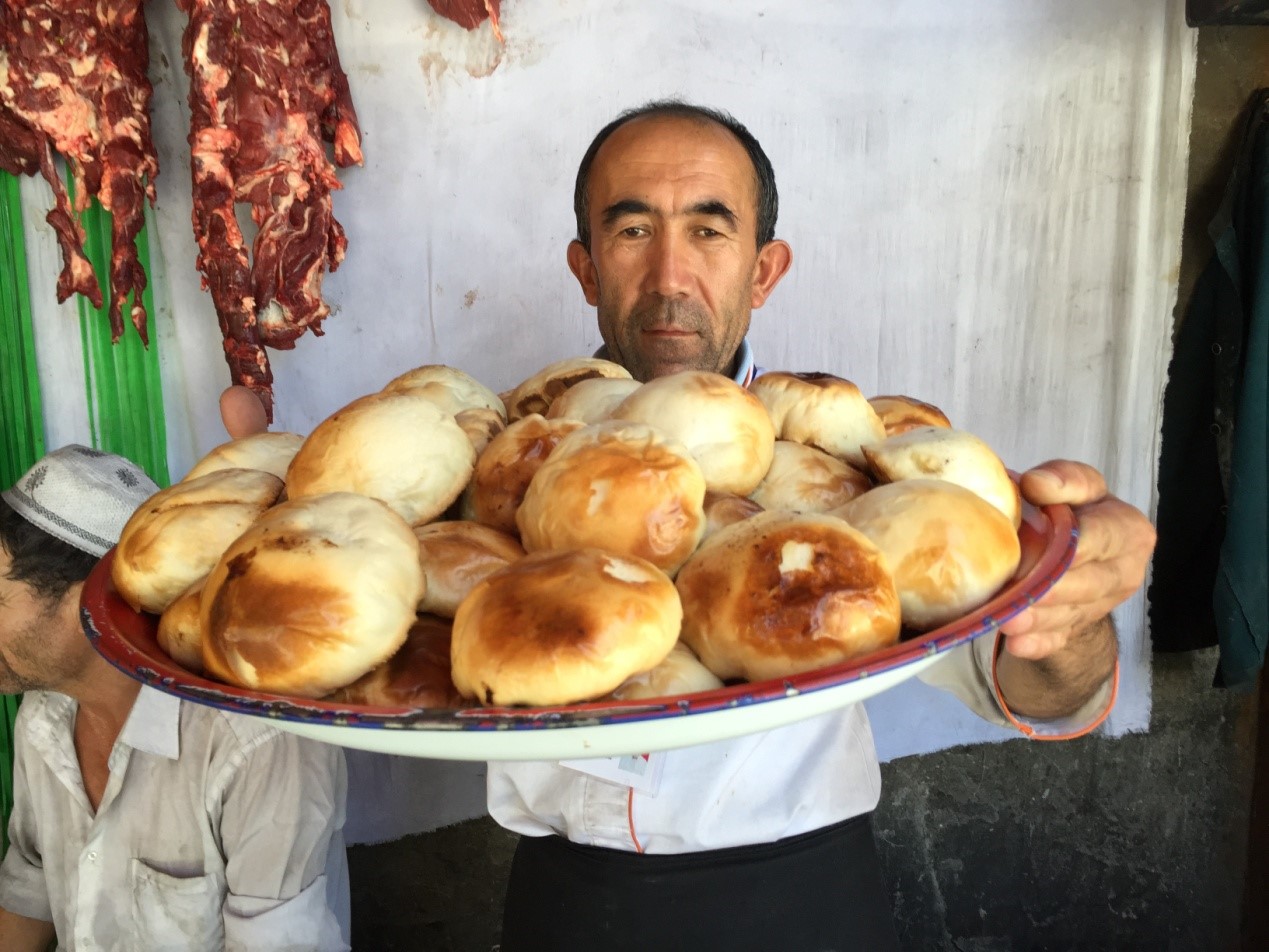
point(984, 199)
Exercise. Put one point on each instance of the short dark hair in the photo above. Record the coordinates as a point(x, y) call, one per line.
point(44, 562)
point(764, 174)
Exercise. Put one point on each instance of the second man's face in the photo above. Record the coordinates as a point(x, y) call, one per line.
point(673, 266)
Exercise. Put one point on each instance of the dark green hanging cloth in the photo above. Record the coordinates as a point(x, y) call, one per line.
point(1211, 568)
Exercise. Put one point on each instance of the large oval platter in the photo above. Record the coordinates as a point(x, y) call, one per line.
point(126, 639)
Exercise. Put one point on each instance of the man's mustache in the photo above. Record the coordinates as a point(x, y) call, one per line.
point(671, 315)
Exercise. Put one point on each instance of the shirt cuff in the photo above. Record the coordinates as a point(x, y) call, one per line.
point(1088, 718)
point(22, 887)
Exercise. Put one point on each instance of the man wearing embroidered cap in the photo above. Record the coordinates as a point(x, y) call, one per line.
point(141, 821)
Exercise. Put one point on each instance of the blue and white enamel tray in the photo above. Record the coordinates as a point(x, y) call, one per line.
point(126, 638)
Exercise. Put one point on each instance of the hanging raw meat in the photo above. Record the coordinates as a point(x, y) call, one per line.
point(73, 80)
point(470, 13)
point(266, 88)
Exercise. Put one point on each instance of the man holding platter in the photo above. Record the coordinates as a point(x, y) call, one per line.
point(762, 842)
point(141, 821)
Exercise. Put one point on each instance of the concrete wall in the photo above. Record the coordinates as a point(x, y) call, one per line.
point(1136, 843)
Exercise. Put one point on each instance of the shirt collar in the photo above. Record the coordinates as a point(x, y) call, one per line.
point(154, 725)
point(745, 369)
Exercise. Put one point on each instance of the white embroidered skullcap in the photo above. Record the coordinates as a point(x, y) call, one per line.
point(81, 496)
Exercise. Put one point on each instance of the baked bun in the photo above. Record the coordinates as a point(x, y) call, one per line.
point(449, 388)
point(316, 593)
point(619, 486)
point(270, 452)
point(804, 479)
point(560, 627)
point(455, 556)
point(481, 426)
point(536, 394)
point(416, 676)
point(820, 410)
point(723, 426)
point(592, 401)
point(502, 474)
point(722, 509)
point(178, 633)
point(900, 414)
point(779, 594)
point(176, 535)
point(948, 549)
point(397, 447)
point(680, 673)
point(931, 452)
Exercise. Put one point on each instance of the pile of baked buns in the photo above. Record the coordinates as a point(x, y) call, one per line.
point(580, 537)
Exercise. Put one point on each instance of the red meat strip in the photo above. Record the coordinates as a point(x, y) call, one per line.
point(470, 13)
point(266, 89)
point(73, 79)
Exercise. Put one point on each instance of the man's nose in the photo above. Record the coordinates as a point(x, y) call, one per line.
point(669, 272)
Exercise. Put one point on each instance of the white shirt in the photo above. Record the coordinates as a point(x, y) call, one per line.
point(215, 831)
point(753, 789)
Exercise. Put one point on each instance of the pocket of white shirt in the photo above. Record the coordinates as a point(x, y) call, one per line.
point(303, 922)
point(175, 912)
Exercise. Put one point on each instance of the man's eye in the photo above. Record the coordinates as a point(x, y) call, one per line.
point(632, 231)
point(708, 232)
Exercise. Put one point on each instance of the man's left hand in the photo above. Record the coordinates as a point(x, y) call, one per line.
point(1115, 544)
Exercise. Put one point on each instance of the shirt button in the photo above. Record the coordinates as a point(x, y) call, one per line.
point(92, 857)
point(1216, 349)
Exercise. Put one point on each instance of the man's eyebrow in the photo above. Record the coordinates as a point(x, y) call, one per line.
point(716, 209)
point(627, 206)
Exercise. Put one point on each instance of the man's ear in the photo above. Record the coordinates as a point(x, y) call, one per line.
point(774, 260)
point(583, 268)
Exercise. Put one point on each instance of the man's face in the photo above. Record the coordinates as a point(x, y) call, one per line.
point(35, 652)
point(673, 265)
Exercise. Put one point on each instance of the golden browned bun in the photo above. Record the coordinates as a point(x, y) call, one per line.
point(505, 468)
point(178, 632)
point(449, 388)
point(932, 452)
point(416, 676)
point(900, 414)
point(455, 556)
point(480, 425)
point(680, 673)
point(592, 401)
point(804, 479)
point(820, 410)
point(270, 452)
point(315, 594)
point(948, 549)
point(619, 486)
point(560, 627)
point(722, 509)
point(398, 447)
point(723, 426)
point(177, 535)
point(536, 394)
point(779, 594)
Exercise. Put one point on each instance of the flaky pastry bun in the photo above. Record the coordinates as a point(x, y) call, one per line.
point(270, 452)
point(397, 447)
point(619, 486)
point(820, 410)
point(592, 401)
point(538, 392)
point(481, 426)
point(780, 594)
point(722, 509)
point(455, 556)
point(178, 633)
point(451, 389)
point(948, 549)
point(725, 428)
point(176, 536)
point(804, 479)
point(416, 676)
point(562, 627)
point(316, 593)
point(680, 673)
point(505, 468)
point(900, 414)
point(931, 452)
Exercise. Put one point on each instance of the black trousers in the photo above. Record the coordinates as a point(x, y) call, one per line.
point(818, 892)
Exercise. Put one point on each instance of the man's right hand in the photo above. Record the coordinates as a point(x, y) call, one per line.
point(242, 413)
